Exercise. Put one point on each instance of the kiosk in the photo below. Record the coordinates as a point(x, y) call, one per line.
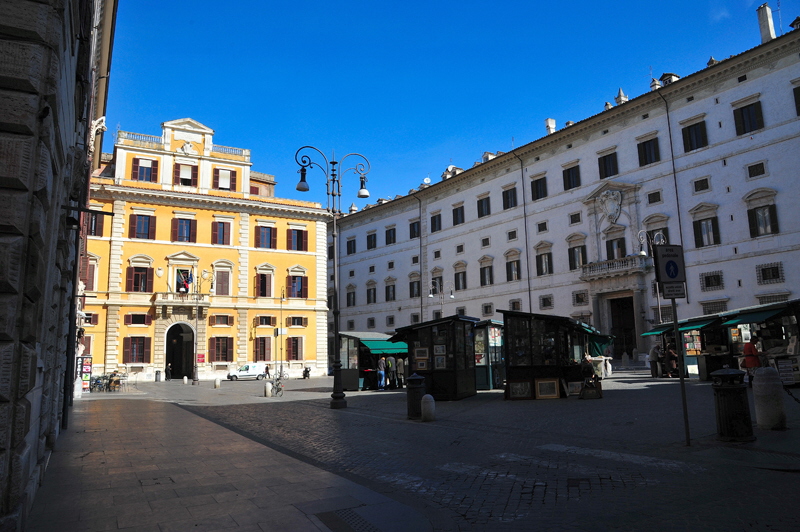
point(360, 354)
point(489, 366)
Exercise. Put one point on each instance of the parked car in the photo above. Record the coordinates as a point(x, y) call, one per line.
point(251, 370)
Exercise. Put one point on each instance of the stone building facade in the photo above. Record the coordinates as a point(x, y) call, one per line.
point(52, 56)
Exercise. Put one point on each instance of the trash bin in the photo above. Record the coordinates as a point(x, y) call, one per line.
point(415, 389)
point(731, 406)
point(158, 375)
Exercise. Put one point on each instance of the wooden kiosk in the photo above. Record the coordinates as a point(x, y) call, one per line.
point(360, 354)
point(490, 370)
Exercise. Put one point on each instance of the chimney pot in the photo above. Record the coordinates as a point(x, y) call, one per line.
point(765, 23)
point(550, 125)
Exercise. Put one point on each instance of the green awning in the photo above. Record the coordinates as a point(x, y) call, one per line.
point(696, 324)
point(659, 329)
point(382, 347)
point(752, 317)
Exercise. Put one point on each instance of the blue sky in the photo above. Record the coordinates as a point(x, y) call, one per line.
point(414, 86)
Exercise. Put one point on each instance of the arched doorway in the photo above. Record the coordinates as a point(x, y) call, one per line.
point(180, 350)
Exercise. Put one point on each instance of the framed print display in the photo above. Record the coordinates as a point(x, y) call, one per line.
point(439, 349)
point(519, 390)
point(574, 387)
point(440, 362)
point(421, 352)
point(422, 364)
point(547, 389)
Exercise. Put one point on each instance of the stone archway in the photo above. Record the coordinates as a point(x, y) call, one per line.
point(179, 350)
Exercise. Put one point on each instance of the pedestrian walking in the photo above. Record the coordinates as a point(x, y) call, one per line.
point(752, 360)
point(653, 357)
point(391, 368)
point(381, 373)
point(168, 372)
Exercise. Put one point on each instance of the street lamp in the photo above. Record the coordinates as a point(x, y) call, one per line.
point(647, 241)
point(280, 325)
point(334, 193)
point(436, 287)
point(204, 276)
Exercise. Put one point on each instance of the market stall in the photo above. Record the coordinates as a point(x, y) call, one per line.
point(489, 366)
point(360, 354)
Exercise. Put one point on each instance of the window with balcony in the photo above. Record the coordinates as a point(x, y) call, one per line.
point(615, 248)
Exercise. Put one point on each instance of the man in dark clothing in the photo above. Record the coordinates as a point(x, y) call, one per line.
point(381, 373)
point(168, 372)
point(401, 373)
point(391, 368)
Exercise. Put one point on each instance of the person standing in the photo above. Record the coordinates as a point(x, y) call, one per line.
point(391, 368)
point(653, 357)
point(751, 359)
point(671, 360)
point(381, 373)
point(401, 372)
point(168, 372)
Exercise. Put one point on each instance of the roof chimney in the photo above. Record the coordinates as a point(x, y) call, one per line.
point(655, 84)
point(550, 125)
point(795, 24)
point(608, 106)
point(765, 23)
point(669, 77)
point(621, 97)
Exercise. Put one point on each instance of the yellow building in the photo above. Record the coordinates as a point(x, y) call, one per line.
point(200, 263)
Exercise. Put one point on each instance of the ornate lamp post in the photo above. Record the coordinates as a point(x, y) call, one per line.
point(334, 193)
point(198, 295)
point(647, 242)
point(436, 287)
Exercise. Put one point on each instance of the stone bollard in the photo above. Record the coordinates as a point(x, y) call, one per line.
point(217, 383)
point(267, 389)
point(428, 408)
point(768, 396)
point(185, 379)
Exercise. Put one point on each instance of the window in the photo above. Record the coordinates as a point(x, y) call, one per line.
point(351, 273)
point(294, 348)
point(268, 321)
point(711, 281)
point(224, 179)
point(436, 284)
point(797, 100)
point(748, 118)
point(714, 307)
point(351, 246)
point(95, 221)
point(654, 197)
point(770, 273)
point(391, 236)
point(90, 318)
point(546, 302)
point(415, 259)
point(436, 223)
point(544, 263)
point(575, 218)
point(756, 170)
point(608, 165)
point(139, 279)
point(415, 318)
point(541, 227)
point(351, 298)
point(648, 152)
point(413, 229)
point(487, 309)
point(183, 280)
point(484, 207)
point(458, 215)
point(372, 269)
point(184, 174)
point(144, 170)
point(515, 304)
point(772, 298)
point(694, 137)
point(763, 221)
point(706, 232)
point(615, 248)
point(485, 242)
point(539, 188)
point(371, 295)
point(487, 275)
point(511, 236)
point(461, 311)
point(390, 265)
point(220, 349)
point(664, 231)
point(701, 185)
point(461, 280)
point(572, 177)
point(437, 315)
point(513, 270)
point(262, 348)
point(184, 230)
point(266, 237)
point(437, 254)
point(390, 293)
point(296, 240)
point(221, 319)
point(297, 286)
point(577, 257)
point(221, 233)
point(134, 319)
point(414, 289)
point(390, 321)
point(460, 248)
point(372, 241)
point(136, 350)
point(509, 198)
point(580, 298)
point(264, 285)
point(142, 226)
point(370, 323)
point(297, 321)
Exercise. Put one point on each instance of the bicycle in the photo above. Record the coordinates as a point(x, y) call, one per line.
point(277, 387)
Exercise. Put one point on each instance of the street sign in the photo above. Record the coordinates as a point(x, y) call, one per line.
point(669, 264)
point(674, 290)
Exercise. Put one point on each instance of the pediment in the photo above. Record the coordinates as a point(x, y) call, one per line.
point(576, 237)
point(610, 186)
point(657, 218)
point(613, 229)
point(187, 124)
point(543, 245)
point(183, 256)
point(704, 207)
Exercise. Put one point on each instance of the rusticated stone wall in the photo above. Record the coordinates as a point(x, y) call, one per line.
point(45, 74)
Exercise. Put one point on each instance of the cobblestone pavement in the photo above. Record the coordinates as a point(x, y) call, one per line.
point(619, 463)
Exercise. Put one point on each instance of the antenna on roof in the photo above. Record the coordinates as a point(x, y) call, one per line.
point(780, 19)
point(512, 143)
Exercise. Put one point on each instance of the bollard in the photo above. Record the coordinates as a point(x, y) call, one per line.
point(267, 389)
point(185, 379)
point(731, 406)
point(414, 392)
point(428, 405)
point(158, 375)
point(768, 395)
point(216, 383)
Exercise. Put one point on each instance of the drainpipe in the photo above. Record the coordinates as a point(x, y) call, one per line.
point(525, 228)
point(675, 184)
point(421, 298)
